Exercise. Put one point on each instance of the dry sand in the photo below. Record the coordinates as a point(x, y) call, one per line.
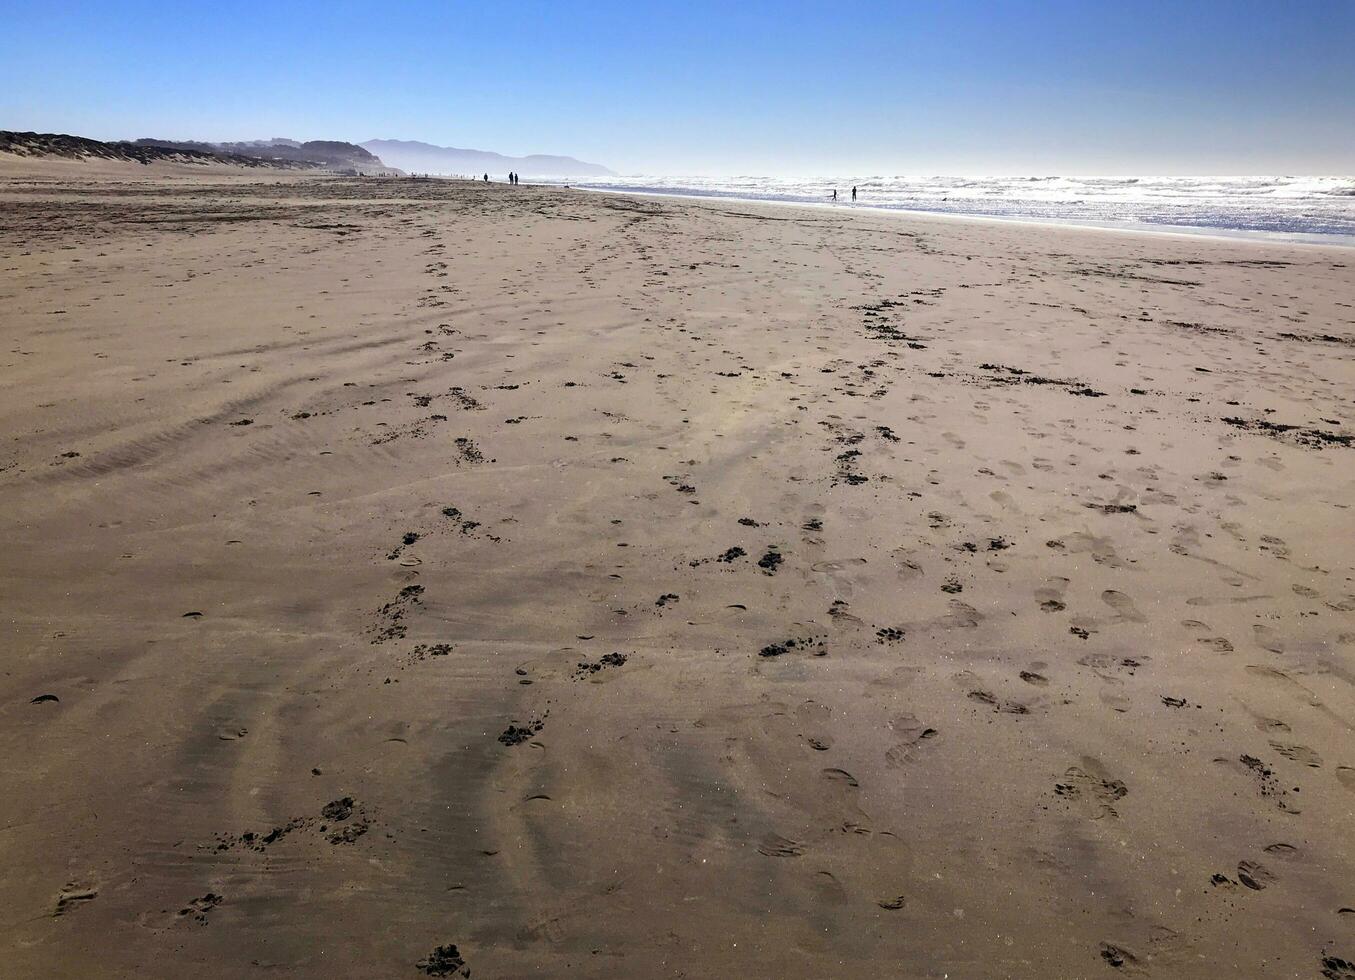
point(616, 587)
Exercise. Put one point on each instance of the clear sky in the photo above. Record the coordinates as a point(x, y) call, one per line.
point(1089, 87)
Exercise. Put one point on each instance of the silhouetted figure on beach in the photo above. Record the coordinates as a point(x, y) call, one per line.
point(853, 193)
point(486, 178)
point(834, 193)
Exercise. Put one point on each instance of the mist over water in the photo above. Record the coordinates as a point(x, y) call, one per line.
point(1303, 206)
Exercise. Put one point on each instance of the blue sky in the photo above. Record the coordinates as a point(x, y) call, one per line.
point(717, 88)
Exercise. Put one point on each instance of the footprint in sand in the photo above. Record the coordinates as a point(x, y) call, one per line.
point(1267, 638)
point(1091, 787)
point(1345, 775)
point(913, 735)
point(73, 896)
point(836, 800)
point(1121, 959)
point(840, 776)
point(907, 567)
point(1254, 875)
point(990, 699)
point(1050, 597)
point(1115, 700)
point(197, 909)
point(837, 566)
point(1125, 610)
point(1268, 784)
point(1281, 850)
point(840, 614)
point(811, 718)
point(1216, 643)
point(1004, 499)
point(1298, 753)
point(961, 616)
point(774, 845)
point(1275, 546)
point(828, 889)
point(1285, 681)
point(1270, 725)
point(1079, 542)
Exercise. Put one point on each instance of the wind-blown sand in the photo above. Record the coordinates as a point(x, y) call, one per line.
point(613, 587)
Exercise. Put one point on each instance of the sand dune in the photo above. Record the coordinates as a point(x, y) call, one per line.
point(611, 587)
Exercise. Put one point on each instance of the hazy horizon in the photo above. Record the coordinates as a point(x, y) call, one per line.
point(982, 89)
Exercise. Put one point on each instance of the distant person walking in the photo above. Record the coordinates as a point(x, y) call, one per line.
point(853, 193)
point(486, 178)
point(834, 193)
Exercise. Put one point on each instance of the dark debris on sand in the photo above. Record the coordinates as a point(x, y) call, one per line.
point(812, 645)
point(588, 668)
point(444, 961)
point(517, 734)
point(770, 562)
point(1313, 438)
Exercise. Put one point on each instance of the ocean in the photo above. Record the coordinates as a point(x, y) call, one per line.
point(1318, 209)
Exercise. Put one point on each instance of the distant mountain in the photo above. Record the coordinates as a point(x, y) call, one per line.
point(331, 154)
point(63, 146)
point(424, 158)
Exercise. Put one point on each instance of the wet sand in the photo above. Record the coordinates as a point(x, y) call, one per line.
point(611, 587)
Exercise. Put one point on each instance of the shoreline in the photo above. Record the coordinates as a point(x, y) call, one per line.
point(1148, 228)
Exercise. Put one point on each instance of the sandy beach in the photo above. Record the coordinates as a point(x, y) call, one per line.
point(608, 586)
